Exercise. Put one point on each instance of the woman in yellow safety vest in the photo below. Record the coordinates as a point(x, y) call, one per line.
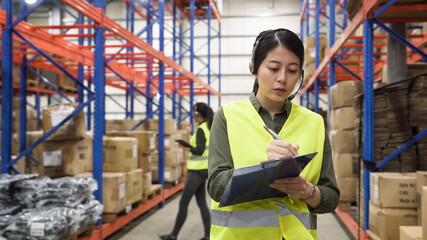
point(197, 166)
point(238, 139)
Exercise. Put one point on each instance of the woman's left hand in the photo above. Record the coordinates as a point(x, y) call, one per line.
point(296, 187)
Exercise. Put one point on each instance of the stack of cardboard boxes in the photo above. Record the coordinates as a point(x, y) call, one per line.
point(343, 138)
point(310, 56)
point(393, 204)
point(173, 154)
point(146, 150)
point(66, 152)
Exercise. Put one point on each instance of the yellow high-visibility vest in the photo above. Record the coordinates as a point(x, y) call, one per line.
point(279, 217)
point(196, 162)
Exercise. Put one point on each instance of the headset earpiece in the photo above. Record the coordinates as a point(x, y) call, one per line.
point(297, 86)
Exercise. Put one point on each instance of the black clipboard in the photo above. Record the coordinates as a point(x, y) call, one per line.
point(251, 183)
point(183, 143)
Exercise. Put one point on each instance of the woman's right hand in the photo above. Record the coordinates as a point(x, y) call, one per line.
point(280, 149)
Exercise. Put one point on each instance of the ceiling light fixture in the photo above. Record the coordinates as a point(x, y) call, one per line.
point(30, 1)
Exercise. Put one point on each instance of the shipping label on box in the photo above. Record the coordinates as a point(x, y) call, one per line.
point(64, 158)
point(393, 190)
point(74, 128)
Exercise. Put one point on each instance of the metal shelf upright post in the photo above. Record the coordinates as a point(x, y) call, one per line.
point(7, 90)
point(368, 15)
point(305, 20)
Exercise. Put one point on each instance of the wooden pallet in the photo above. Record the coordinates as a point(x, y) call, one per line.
point(155, 190)
point(345, 206)
point(112, 217)
point(85, 232)
point(169, 185)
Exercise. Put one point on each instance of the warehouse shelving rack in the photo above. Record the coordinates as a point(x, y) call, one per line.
point(369, 14)
point(89, 62)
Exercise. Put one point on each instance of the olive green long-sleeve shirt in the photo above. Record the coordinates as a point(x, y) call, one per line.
point(221, 163)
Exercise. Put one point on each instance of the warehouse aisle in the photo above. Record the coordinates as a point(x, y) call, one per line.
point(161, 221)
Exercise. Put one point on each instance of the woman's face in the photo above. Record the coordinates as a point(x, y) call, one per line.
point(277, 75)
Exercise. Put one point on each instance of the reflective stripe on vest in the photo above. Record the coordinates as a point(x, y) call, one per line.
point(248, 142)
point(260, 218)
point(198, 162)
point(307, 219)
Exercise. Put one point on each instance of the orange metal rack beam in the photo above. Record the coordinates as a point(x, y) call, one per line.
point(61, 47)
point(99, 18)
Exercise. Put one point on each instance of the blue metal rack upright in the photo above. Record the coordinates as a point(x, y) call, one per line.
point(369, 14)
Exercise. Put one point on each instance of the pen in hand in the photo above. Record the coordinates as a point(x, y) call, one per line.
point(272, 133)
point(275, 136)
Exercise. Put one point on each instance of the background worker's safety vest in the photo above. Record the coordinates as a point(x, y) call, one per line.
point(277, 217)
point(197, 162)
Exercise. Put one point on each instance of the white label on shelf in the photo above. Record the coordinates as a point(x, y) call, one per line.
point(135, 151)
point(15, 135)
point(152, 143)
point(376, 192)
point(167, 174)
point(122, 190)
point(57, 116)
point(167, 142)
point(128, 208)
point(52, 159)
point(37, 229)
point(149, 158)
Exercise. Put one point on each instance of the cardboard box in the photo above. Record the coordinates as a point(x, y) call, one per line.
point(170, 126)
point(424, 212)
point(173, 157)
point(146, 139)
point(122, 125)
point(421, 181)
point(343, 141)
point(343, 93)
point(144, 163)
point(386, 221)
point(63, 158)
point(171, 174)
point(36, 153)
point(151, 124)
point(348, 188)
point(345, 164)
point(395, 190)
point(146, 181)
point(120, 154)
point(74, 128)
point(113, 191)
point(134, 182)
point(411, 233)
point(343, 118)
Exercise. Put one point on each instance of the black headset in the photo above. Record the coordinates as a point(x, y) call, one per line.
point(252, 62)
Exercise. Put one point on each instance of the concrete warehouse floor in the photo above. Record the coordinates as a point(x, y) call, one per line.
point(161, 221)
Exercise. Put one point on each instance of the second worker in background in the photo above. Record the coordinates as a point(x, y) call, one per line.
point(197, 166)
